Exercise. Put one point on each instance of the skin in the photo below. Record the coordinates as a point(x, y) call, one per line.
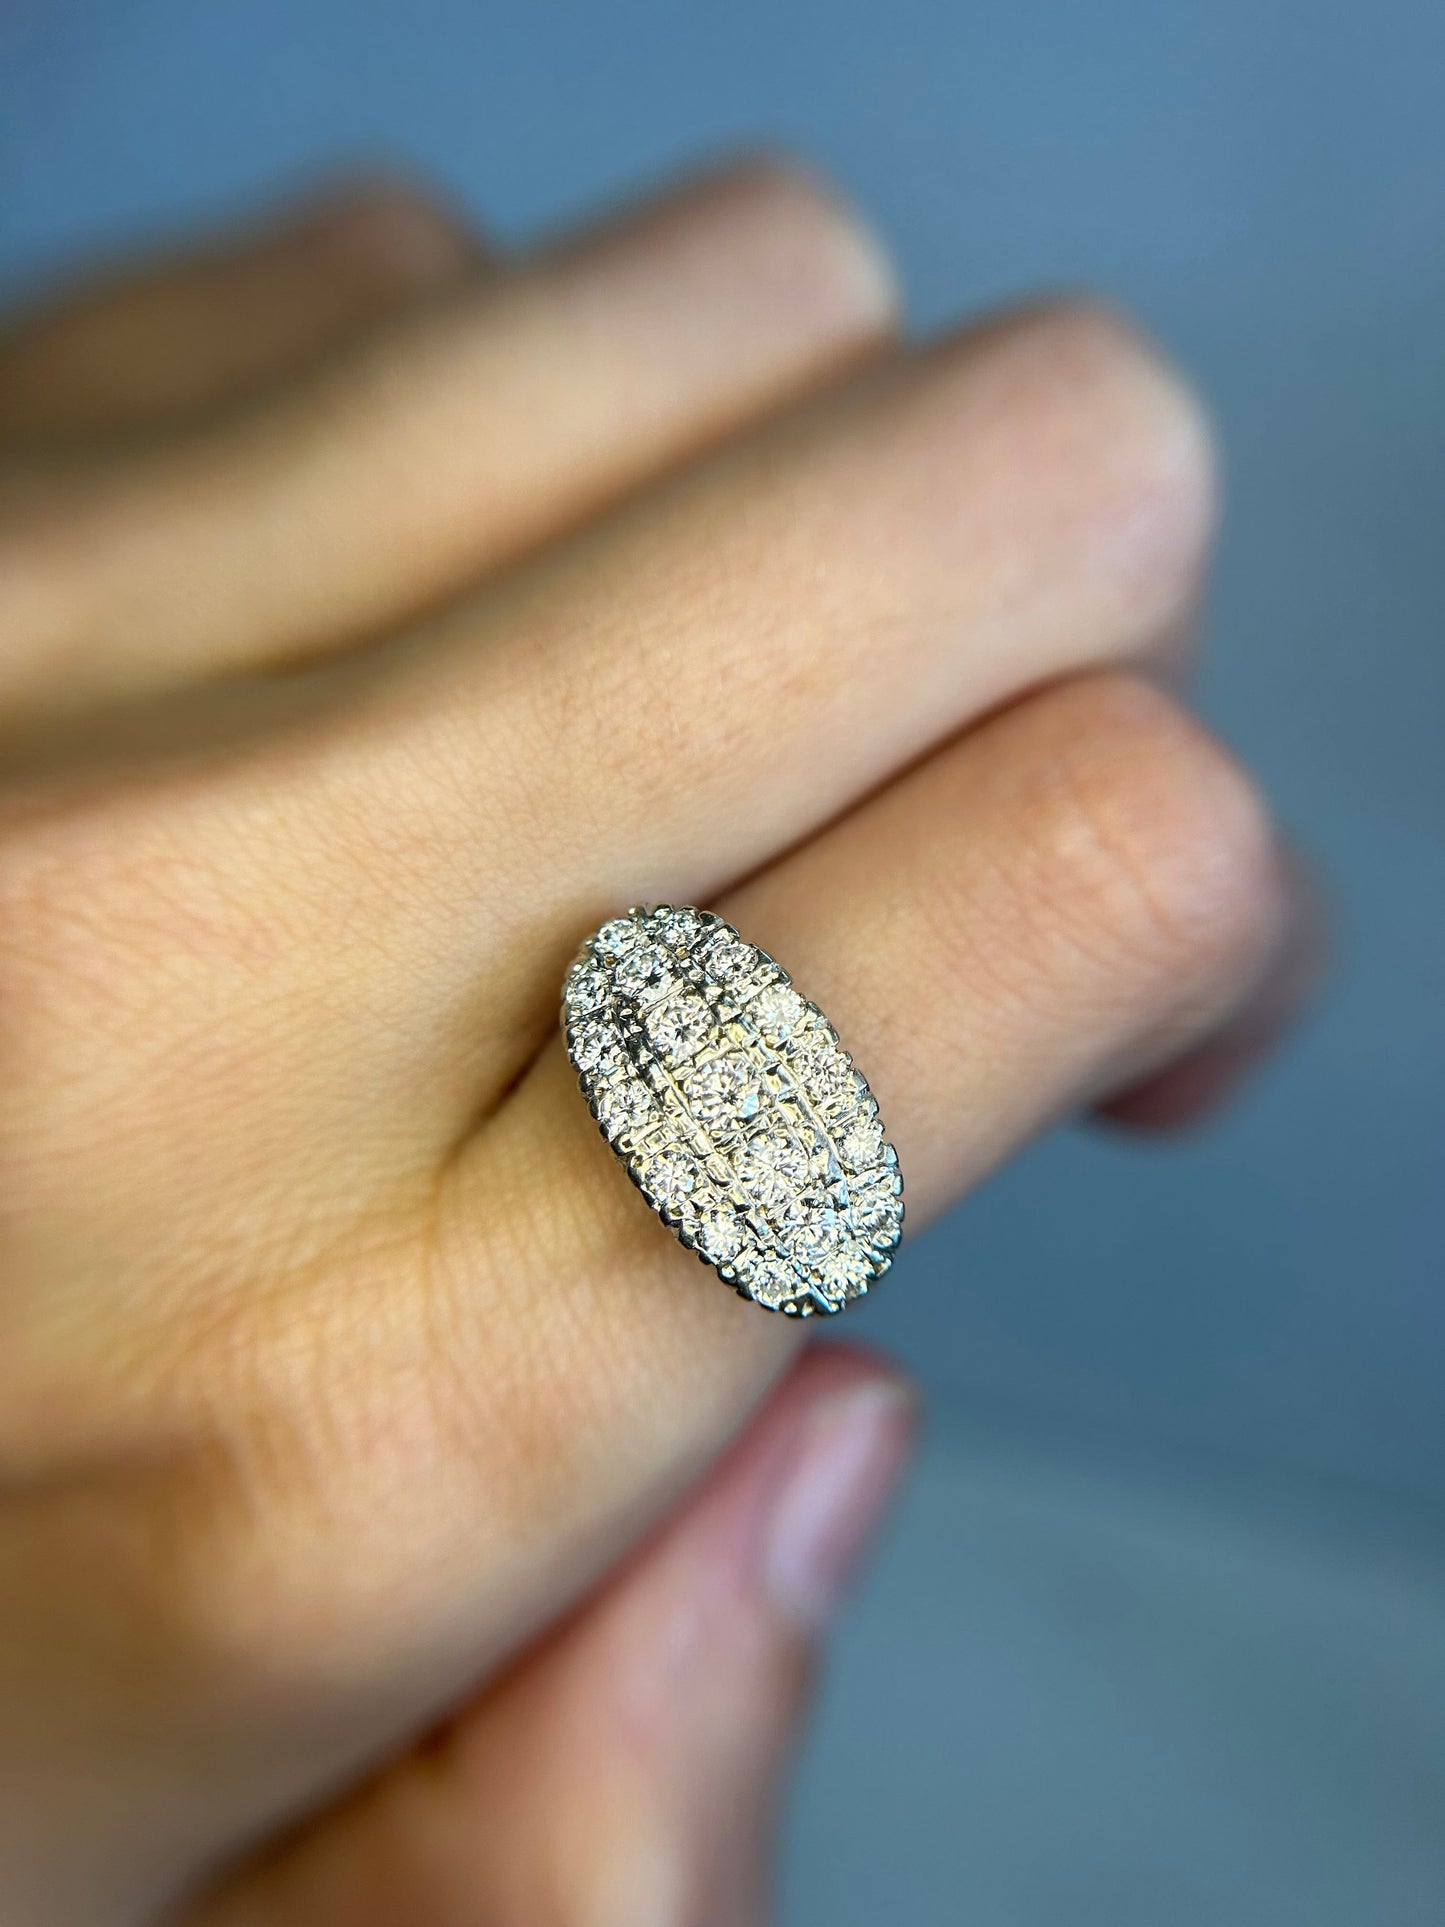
point(394, 1522)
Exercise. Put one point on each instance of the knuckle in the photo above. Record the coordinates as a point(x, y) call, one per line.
point(403, 230)
point(72, 878)
point(290, 1443)
point(121, 909)
point(1163, 439)
point(56, 876)
point(793, 230)
point(1096, 423)
point(1168, 846)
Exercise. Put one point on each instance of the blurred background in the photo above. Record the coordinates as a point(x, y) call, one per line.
point(1160, 1637)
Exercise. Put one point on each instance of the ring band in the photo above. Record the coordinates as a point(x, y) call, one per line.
point(736, 1111)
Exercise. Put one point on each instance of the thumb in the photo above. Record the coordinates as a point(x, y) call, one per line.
point(670, 1716)
point(627, 1773)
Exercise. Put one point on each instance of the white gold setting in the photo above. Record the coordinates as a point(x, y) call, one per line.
point(738, 1114)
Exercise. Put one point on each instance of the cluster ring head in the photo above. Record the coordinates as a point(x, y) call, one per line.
point(735, 1109)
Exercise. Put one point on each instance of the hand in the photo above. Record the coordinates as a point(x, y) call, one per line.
point(379, 619)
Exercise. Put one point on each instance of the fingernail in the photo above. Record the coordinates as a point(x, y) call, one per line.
point(841, 1475)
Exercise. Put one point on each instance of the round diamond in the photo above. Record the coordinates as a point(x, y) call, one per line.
point(670, 1177)
point(679, 1027)
point(824, 1071)
point(772, 1169)
point(878, 1214)
point(770, 1280)
point(719, 1235)
point(725, 1093)
point(844, 1272)
point(818, 1235)
point(586, 986)
point(643, 968)
point(622, 1107)
point(615, 939)
point(730, 960)
point(595, 1047)
point(861, 1142)
point(832, 1254)
point(777, 1012)
point(680, 928)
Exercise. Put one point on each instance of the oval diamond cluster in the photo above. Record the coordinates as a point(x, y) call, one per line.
point(734, 1107)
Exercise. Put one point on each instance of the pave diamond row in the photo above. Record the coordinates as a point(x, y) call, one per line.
point(735, 1108)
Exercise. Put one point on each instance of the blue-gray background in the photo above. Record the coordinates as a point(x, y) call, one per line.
point(1264, 181)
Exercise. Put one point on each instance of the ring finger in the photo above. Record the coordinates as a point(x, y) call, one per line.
point(1053, 905)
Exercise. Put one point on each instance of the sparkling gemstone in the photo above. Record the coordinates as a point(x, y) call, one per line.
point(670, 1178)
point(824, 1072)
point(818, 1234)
point(878, 1214)
point(615, 939)
point(719, 1235)
point(725, 1092)
point(730, 961)
point(679, 1027)
point(680, 928)
point(777, 1011)
point(828, 1249)
point(772, 1169)
point(622, 1107)
point(844, 1271)
point(770, 1280)
point(587, 986)
point(596, 1046)
point(861, 1142)
point(644, 968)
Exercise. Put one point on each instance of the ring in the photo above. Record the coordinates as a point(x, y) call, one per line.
point(736, 1111)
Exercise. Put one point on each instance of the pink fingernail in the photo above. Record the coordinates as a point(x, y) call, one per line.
point(839, 1479)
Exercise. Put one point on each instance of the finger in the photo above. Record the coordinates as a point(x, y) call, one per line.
point(1063, 898)
point(1192, 1088)
point(437, 452)
point(630, 1770)
point(149, 345)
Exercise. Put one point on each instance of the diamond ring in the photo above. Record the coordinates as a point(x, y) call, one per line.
point(736, 1111)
